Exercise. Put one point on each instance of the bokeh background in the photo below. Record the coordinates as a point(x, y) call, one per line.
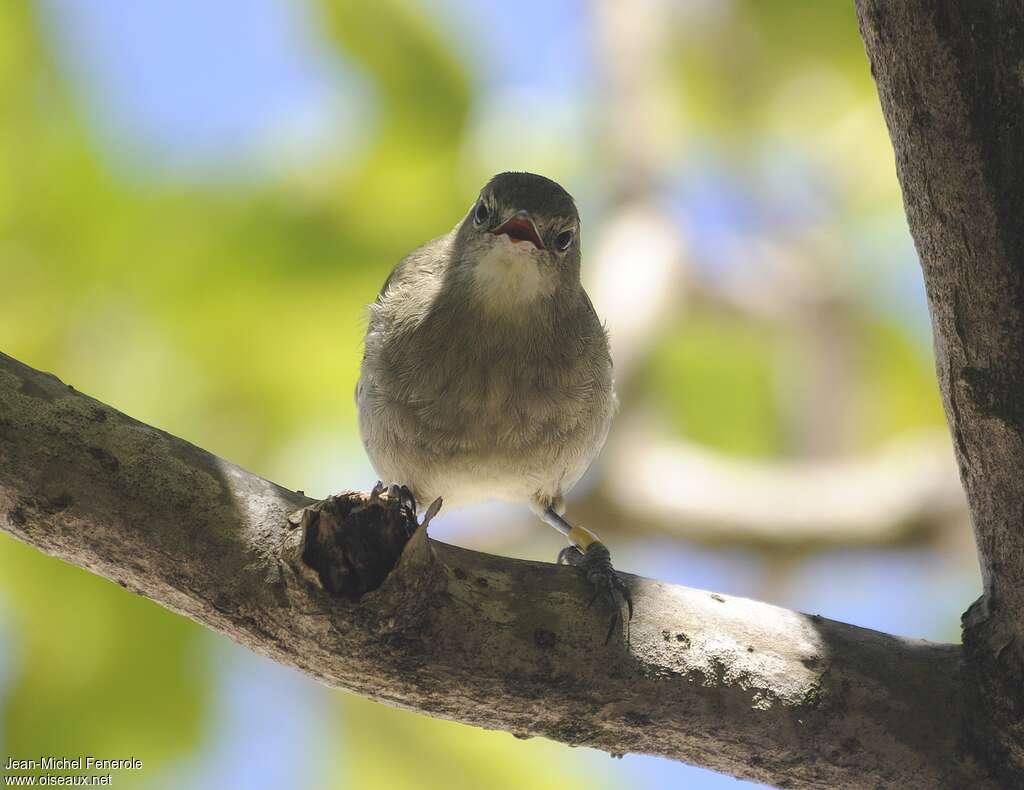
point(198, 198)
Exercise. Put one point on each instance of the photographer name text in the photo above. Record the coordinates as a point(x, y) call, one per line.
point(84, 763)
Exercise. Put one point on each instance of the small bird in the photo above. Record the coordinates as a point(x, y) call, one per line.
point(486, 372)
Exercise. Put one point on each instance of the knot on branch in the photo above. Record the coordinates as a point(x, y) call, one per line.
point(352, 541)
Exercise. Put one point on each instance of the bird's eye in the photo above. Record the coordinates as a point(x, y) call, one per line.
point(481, 214)
point(564, 240)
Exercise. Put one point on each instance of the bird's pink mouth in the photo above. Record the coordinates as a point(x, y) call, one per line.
point(520, 228)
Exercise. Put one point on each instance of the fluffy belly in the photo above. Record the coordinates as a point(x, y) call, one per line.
point(534, 466)
point(465, 480)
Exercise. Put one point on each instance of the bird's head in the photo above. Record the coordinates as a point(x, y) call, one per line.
point(520, 240)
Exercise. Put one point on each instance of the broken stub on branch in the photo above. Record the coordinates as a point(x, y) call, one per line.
point(352, 541)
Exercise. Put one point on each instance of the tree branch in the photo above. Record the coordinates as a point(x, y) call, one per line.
point(907, 487)
point(731, 684)
point(951, 80)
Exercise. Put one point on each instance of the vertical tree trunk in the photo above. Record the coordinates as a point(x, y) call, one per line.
point(951, 80)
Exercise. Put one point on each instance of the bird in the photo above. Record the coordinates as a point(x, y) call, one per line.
point(487, 373)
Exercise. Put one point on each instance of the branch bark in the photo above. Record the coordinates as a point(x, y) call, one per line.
point(951, 80)
point(735, 685)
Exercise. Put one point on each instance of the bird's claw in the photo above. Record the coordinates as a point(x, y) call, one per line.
point(398, 493)
point(403, 496)
point(570, 555)
point(596, 562)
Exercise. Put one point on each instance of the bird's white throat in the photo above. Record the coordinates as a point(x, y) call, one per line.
point(509, 274)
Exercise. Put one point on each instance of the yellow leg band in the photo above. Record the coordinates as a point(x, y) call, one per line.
point(581, 537)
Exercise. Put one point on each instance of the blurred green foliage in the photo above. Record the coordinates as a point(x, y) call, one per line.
point(892, 392)
point(97, 670)
point(389, 748)
point(714, 378)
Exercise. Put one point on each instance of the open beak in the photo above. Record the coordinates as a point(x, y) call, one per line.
point(519, 227)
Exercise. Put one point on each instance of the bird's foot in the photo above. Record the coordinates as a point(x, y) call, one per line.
point(596, 562)
point(402, 495)
point(398, 493)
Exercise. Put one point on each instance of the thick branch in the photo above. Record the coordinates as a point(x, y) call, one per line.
point(728, 683)
point(951, 79)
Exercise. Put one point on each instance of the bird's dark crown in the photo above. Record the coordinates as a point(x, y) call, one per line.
point(536, 194)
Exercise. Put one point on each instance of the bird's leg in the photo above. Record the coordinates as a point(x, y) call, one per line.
point(587, 552)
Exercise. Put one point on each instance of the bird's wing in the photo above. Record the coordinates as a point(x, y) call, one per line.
point(421, 258)
point(598, 323)
point(406, 272)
